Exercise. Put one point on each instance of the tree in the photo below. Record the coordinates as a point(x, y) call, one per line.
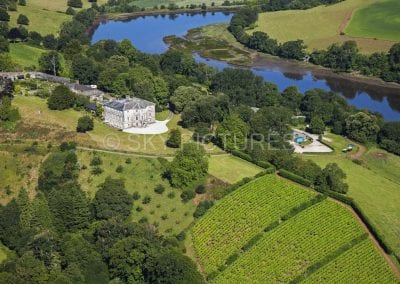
point(174, 139)
point(394, 56)
point(182, 96)
point(232, 133)
point(4, 16)
point(50, 62)
point(362, 127)
point(61, 98)
point(332, 178)
point(172, 267)
point(6, 63)
point(50, 42)
point(22, 2)
point(30, 269)
point(35, 38)
point(75, 3)
point(112, 200)
point(22, 20)
point(262, 42)
point(85, 123)
point(293, 50)
point(84, 69)
point(291, 98)
point(20, 33)
point(70, 11)
point(189, 164)
point(317, 125)
point(4, 44)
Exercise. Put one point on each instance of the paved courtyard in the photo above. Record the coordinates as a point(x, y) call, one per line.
point(314, 147)
point(158, 127)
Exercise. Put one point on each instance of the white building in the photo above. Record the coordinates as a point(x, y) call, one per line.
point(127, 113)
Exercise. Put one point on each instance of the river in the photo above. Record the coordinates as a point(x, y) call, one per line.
point(147, 33)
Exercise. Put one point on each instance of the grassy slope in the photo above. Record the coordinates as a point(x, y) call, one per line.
point(59, 125)
point(231, 169)
point(25, 55)
point(45, 16)
point(375, 186)
point(152, 3)
point(141, 175)
point(318, 27)
point(378, 20)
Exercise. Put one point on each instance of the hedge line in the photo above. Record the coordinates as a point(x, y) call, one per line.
point(294, 177)
point(349, 201)
point(247, 157)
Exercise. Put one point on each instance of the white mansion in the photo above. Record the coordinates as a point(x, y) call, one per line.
point(130, 112)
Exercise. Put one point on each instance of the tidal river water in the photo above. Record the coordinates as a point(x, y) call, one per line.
point(147, 33)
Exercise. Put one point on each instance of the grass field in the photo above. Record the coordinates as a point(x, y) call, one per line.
point(376, 188)
point(45, 16)
point(18, 169)
point(379, 20)
point(43, 124)
point(231, 169)
point(152, 3)
point(25, 55)
point(288, 251)
point(141, 175)
point(318, 27)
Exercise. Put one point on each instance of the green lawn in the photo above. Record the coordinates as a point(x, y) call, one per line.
point(376, 188)
point(231, 169)
point(152, 3)
point(162, 115)
point(25, 55)
point(320, 26)
point(141, 175)
point(4, 252)
point(379, 20)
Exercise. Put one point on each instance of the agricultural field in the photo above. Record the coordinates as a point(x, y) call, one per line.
point(141, 175)
point(375, 187)
point(18, 169)
point(238, 217)
point(25, 55)
point(231, 169)
point(38, 122)
point(315, 235)
point(360, 264)
point(320, 26)
point(378, 20)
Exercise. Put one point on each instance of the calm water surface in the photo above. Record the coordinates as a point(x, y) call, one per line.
point(147, 34)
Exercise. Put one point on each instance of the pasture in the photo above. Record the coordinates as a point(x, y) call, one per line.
point(375, 187)
point(274, 231)
point(25, 55)
point(319, 27)
point(141, 175)
point(231, 169)
point(379, 20)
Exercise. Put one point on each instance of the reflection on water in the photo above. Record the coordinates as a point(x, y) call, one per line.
point(147, 34)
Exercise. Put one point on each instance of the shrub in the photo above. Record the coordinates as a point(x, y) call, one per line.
point(159, 189)
point(97, 171)
point(128, 161)
point(164, 217)
point(96, 161)
point(187, 195)
point(294, 177)
point(22, 20)
point(181, 236)
point(200, 189)
point(171, 195)
point(136, 195)
point(139, 209)
point(75, 3)
point(242, 155)
point(70, 11)
point(85, 123)
point(146, 199)
point(119, 169)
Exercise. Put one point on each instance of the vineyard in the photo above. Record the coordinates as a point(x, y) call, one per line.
point(249, 237)
point(229, 225)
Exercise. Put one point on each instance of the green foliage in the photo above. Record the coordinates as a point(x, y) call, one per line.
point(317, 125)
point(189, 165)
point(232, 133)
point(50, 62)
point(85, 123)
point(22, 20)
point(174, 139)
point(182, 96)
point(75, 3)
point(294, 177)
point(332, 178)
point(159, 189)
point(4, 44)
point(4, 16)
point(61, 98)
point(362, 127)
point(187, 194)
point(112, 200)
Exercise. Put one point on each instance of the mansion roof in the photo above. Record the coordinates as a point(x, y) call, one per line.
point(127, 104)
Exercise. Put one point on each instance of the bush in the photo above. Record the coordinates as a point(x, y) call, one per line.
point(171, 195)
point(200, 189)
point(202, 208)
point(242, 155)
point(294, 177)
point(75, 3)
point(264, 164)
point(119, 169)
point(22, 20)
point(61, 98)
point(128, 161)
point(187, 195)
point(136, 195)
point(146, 200)
point(97, 171)
point(85, 123)
point(159, 189)
point(96, 161)
point(70, 11)
point(181, 236)
point(67, 146)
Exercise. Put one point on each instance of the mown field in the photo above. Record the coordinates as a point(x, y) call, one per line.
point(38, 122)
point(319, 27)
point(375, 186)
point(246, 238)
point(231, 169)
point(379, 20)
point(25, 55)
